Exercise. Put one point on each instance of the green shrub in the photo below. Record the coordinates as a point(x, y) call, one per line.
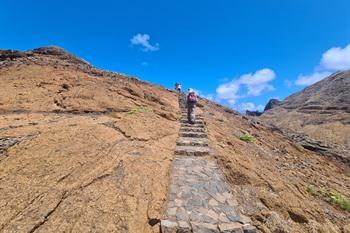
point(338, 199)
point(247, 137)
point(311, 189)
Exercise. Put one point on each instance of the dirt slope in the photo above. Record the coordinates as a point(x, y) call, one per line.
point(83, 150)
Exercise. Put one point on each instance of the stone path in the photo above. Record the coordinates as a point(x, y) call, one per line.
point(199, 200)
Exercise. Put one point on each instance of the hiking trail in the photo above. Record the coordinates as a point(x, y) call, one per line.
point(199, 200)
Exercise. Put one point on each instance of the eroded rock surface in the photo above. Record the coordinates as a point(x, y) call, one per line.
point(88, 150)
point(81, 150)
point(319, 113)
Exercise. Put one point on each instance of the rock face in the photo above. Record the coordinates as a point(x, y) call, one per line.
point(271, 104)
point(81, 149)
point(85, 150)
point(253, 113)
point(320, 112)
point(326, 96)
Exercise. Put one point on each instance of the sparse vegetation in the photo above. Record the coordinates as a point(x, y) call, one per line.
point(331, 197)
point(311, 189)
point(247, 137)
point(338, 199)
point(139, 110)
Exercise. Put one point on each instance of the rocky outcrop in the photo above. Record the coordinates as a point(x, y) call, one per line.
point(330, 94)
point(81, 149)
point(335, 152)
point(6, 55)
point(253, 113)
point(6, 143)
point(272, 103)
point(57, 52)
point(321, 112)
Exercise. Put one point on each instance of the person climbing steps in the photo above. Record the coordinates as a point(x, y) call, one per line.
point(178, 87)
point(199, 200)
point(191, 104)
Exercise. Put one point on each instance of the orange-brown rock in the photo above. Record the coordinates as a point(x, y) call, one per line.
point(84, 150)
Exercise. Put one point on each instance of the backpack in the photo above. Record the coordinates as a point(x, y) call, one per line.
point(192, 98)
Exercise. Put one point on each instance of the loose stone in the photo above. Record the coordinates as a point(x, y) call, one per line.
point(213, 202)
point(168, 226)
point(231, 228)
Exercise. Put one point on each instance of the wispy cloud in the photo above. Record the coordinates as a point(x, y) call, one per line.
point(306, 80)
point(144, 64)
point(332, 60)
point(288, 83)
point(143, 40)
point(228, 92)
point(208, 96)
point(251, 107)
point(256, 83)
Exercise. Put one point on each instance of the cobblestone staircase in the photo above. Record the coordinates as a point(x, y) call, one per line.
point(199, 200)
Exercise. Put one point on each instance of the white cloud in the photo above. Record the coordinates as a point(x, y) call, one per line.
point(251, 107)
point(332, 60)
point(256, 84)
point(288, 83)
point(144, 41)
point(305, 80)
point(208, 96)
point(228, 91)
point(336, 58)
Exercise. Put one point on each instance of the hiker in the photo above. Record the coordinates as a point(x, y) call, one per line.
point(191, 104)
point(178, 87)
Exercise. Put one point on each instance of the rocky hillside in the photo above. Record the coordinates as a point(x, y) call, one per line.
point(318, 116)
point(326, 96)
point(86, 150)
point(81, 148)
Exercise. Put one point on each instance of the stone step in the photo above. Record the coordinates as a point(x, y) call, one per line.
point(196, 121)
point(192, 141)
point(192, 129)
point(200, 201)
point(195, 125)
point(184, 112)
point(201, 120)
point(197, 117)
point(193, 134)
point(192, 150)
point(192, 125)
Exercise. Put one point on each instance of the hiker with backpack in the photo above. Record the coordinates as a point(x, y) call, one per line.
point(178, 87)
point(191, 104)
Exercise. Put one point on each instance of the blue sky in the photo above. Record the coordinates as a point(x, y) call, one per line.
point(240, 53)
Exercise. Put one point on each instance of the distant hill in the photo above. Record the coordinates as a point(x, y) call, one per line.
point(320, 111)
point(328, 96)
